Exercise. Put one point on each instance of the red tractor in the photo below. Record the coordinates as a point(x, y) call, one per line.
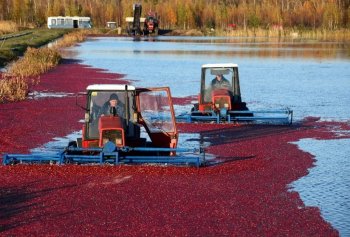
point(151, 109)
point(123, 125)
point(220, 99)
point(151, 24)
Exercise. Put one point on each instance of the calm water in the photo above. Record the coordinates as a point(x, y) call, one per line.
point(311, 78)
point(328, 185)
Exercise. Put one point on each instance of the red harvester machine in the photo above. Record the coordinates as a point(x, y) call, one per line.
point(220, 100)
point(145, 131)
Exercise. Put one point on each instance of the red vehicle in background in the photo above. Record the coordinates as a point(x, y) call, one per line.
point(151, 24)
point(138, 25)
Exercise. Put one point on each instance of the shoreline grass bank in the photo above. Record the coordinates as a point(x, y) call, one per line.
point(341, 35)
point(12, 48)
point(25, 72)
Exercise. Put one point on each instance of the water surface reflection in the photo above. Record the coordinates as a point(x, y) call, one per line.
point(312, 78)
point(233, 46)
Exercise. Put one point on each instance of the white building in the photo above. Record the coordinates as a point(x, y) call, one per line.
point(68, 22)
point(111, 24)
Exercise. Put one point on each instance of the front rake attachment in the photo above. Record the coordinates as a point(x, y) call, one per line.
point(110, 154)
point(281, 116)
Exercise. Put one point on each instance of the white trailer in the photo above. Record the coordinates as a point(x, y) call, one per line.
point(68, 22)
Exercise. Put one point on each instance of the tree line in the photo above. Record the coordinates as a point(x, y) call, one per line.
point(189, 14)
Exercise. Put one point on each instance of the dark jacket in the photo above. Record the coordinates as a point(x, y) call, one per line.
point(223, 83)
point(107, 110)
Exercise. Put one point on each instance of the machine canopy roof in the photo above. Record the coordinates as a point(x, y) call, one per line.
point(109, 87)
point(220, 65)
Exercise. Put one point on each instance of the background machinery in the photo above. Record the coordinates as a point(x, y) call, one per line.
point(223, 103)
point(138, 25)
point(151, 25)
point(145, 133)
point(134, 23)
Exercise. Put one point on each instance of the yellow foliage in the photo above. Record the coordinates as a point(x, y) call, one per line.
point(72, 38)
point(13, 89)
point(35, 62)
point(7, 27)
point(22, 74)
point(25, 72)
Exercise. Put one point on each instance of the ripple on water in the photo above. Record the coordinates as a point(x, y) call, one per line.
point(328, 183)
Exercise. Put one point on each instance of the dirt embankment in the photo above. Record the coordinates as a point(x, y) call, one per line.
point(244, 195)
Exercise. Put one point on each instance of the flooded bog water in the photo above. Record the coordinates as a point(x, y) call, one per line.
point(328, 183)
point(312, 78)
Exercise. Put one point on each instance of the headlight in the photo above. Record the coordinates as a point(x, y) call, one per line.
point(114, 136)
point(222, 102)
point(119, 141)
